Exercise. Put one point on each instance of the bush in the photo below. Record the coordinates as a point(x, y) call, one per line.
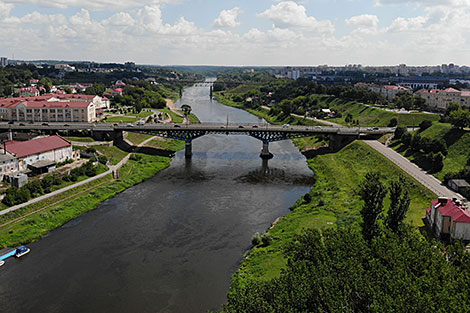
point(393, 122)
point(266, 240)
point(90, 150)
point(103, 159)
point(307, 198)
point(425, 125)
point(135, 157)
point(399, 132)
point(256, 239)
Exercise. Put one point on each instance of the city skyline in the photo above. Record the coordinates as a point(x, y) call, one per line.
point(238, 33)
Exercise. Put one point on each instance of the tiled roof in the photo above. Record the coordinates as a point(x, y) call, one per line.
point(36, 146)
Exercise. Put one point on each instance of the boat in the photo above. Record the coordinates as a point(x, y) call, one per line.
point(21, 250)
point(2, 262)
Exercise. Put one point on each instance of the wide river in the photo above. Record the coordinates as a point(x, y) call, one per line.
point(170, 244)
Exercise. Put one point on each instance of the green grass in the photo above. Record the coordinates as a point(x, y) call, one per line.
point(369, 116)
point(193, 119)
point(167, 144)
point(114, 154)
point(142, 114)
point(174, 117)
point(137, 138)
point(121, 119)
point(39, 224)
point(334, 203)
point(80, 139)
point(458, 143)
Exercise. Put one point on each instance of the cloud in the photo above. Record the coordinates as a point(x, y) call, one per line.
point(425, 3)
point(290, 14)
point(5, 9)
point(364, 24)
point(228, 18)
point(95, 5)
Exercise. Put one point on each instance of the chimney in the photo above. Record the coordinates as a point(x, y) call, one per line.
point(443, 200)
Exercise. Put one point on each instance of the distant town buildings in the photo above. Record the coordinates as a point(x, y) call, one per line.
point(3, 61)
point(449, 219)
point(28, 92)
point(65, 68)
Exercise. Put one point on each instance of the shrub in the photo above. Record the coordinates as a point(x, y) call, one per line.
point(393, 122)
point(425, 125)
point(90, 150)
point(307, 198)
point(266, 239)
point(135, 157)
point(103, 159)
point(256, 239)
point(399, 132)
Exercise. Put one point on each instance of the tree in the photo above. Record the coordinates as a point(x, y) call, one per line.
point(399, 203)
point(425, 125)
point(399, 132)
point(460, 118)
point(186, 109)
point(372, 192)
point(393, 122)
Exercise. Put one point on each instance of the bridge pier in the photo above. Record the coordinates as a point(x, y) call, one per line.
point(265, 154)
point(188, 149)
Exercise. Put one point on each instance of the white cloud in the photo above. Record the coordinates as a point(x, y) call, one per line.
point(5, 9)
point(109, 5)
point(228, 18)
point(425, 3)
point(290, 14)
point(364, 24)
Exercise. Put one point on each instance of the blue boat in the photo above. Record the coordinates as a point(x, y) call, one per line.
point(21, 250)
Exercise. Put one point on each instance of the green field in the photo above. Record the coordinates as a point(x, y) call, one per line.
point(174, 117)
point(137, 138)
point(114, 154)
point(142, 114)
point(167, 144)
point(458, 143)
point(334, 202)
point(80, 139)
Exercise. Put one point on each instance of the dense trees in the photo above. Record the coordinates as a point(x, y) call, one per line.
point(372, 192)
point(399, 203)
point(340, 271)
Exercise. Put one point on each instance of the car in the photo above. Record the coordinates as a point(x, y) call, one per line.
point(11, 122)
point(177, 125)
point(285, 126)
point(140, 123)
point(115, 124)
point(317, 127)
point(241, 126)
point(129, 125)
point(45, 124)
point(21, 124)
point(255, 126)
point(66, 125)
point(375, 128)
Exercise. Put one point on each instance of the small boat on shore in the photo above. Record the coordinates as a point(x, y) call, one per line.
point(21, 250)
point(2, 262)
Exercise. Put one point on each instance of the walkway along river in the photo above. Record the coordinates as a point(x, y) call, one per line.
point(171, 243)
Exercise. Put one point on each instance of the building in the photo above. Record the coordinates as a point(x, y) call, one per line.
point(388, 91)
point(459, 185)
point(28, 92)
point(439, 100)
point(8, 164)
point(40, 153)
point(3, 62)
point(53, 108)
point(449, 219)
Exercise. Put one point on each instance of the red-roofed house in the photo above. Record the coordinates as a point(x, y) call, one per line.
point(388, 91)
point(449, 219)
point(53, 149)
point(439, 100)
point(115, 92)
point(28, 92)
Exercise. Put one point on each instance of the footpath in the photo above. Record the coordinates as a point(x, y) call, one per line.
point(112, 169)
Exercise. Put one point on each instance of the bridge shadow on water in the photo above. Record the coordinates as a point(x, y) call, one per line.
point(270, 175)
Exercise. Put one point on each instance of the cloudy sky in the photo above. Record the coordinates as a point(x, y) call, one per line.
point(238, 32)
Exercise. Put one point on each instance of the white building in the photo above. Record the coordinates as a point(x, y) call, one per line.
point(439, 100)
point(29, 153)
point(449, 219)
point(388, 91)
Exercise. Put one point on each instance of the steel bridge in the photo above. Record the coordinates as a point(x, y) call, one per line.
point(338, 136)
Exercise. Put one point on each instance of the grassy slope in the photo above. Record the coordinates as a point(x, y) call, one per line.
point(80, 139)
point(167, 144)
point(38, 225)
point(369, 116)
point(121, 119)
point(137, 138)
point(174, 117)
point(113, 153)
point(458, 142)
point(337, 177)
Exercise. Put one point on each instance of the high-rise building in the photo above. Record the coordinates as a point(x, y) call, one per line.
point(3, 61)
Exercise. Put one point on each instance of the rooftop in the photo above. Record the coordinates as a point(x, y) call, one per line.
point(36, 146)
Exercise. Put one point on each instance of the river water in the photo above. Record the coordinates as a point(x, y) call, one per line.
point(171, 243)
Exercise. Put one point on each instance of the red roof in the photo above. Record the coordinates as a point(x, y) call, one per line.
point(36, 146)
point(451, 90)
point(462, 216)
point(456, 212)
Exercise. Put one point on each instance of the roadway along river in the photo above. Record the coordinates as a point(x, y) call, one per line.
point(171, 243)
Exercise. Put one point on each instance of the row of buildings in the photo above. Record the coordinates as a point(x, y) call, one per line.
point(53, 108)
point(37, 155)
point(436, 99)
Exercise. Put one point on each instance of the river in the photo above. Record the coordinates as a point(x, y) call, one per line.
point(170, 244)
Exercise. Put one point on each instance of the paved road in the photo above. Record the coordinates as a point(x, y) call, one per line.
point(412, 169)
point(57, 192)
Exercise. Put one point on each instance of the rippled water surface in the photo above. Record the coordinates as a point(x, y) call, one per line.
point(171, 243)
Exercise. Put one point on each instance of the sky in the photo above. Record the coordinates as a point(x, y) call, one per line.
point(238, 32)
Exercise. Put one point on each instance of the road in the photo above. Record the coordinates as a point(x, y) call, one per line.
point(86, 181)
point(412, 169)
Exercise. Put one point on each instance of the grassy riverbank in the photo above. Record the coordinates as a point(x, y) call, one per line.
point(58, 210)
point(333, 203)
